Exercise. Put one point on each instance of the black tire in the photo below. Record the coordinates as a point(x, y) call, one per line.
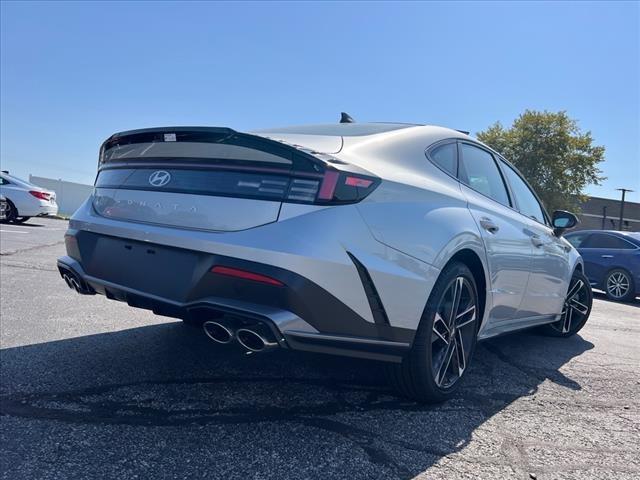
point(10, 213)
point(619, 285)
point(20, 219)
point(417, 376)
point(576, 311)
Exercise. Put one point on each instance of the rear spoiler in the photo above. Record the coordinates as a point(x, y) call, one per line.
point(114, 150)
point(326, 179)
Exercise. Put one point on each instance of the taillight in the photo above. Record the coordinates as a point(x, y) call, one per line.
point(245, 275)
point(41, 195)
point(334, 187)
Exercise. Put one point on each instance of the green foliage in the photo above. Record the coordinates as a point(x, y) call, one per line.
point(553, 154)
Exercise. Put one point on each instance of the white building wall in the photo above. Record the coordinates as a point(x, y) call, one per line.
point(69, 195)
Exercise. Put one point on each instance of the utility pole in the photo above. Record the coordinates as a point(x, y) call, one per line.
point(604, 216)
point(624, 191)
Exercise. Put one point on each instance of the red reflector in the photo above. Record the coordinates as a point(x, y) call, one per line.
point(328, 186)
point(256, 277)
point(358, 182)
point(40, 195)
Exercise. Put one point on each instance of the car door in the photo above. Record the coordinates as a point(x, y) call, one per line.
point(508, 246)
point(550, 266)
point(603, 252)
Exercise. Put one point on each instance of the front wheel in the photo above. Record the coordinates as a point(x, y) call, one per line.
point(444, 342)
point(576, 308)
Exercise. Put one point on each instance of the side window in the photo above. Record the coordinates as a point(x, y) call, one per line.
point(3, 181)
point(479, 171)
point(446, 157)
point(527, 202)
point(603, 240)
point(577, 239)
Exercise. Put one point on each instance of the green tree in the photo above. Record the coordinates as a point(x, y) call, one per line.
point(553, 154)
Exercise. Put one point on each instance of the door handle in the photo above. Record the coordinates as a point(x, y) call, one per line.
point(488, 225)
point(536, 240)
point(606, 256)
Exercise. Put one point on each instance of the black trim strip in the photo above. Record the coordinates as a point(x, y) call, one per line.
point(183, 276)
point(373, 297)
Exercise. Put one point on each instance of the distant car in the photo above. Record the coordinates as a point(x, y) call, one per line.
point(611, 261)
point(4, 206)
point(25, 200)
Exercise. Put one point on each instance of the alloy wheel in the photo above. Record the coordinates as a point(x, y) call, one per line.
point(618, 285)
point(576, 306)
point(453, 333)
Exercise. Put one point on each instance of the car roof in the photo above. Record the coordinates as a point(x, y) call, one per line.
point(339, 129)
point(20, 182)
point(613, 232)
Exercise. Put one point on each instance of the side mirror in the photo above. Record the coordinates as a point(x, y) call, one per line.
point(563, 221)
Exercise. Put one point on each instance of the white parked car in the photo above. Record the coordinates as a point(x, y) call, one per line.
point(25, 200)
point(402, 243)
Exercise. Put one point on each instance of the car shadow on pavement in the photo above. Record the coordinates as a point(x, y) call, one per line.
point(170, 375)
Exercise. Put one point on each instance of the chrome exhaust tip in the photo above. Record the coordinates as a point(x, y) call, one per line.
point(71, 282)
point(217, 332)
point(253, 341)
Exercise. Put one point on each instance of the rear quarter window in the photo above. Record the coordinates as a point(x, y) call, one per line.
point(446, 157)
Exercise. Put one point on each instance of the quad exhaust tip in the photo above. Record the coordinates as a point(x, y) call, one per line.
point(217, 332)
point(71, 282)
point(253, 341)
point(75, 283)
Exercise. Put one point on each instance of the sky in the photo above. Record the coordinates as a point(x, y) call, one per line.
point(71, 74)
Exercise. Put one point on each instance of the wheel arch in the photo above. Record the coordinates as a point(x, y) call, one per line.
point(579, 266)
point(472, 260)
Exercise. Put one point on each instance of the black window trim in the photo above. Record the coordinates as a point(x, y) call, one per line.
point(440, 143)
point(510, 197)
point(513, 202)
point(547, 222)
point(591, 234)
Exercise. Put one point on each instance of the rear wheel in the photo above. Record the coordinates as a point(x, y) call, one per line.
point(445, 340)
point(619, 286)
point(576, 309)
point(10, 213)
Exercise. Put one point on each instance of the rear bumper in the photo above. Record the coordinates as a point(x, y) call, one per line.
point(48, 210)
point(39, 210)
point(301, 315)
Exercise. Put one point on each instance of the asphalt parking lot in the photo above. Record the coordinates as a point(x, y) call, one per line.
point(91, 388)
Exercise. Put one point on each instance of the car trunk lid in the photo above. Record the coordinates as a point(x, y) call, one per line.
point(211, 178)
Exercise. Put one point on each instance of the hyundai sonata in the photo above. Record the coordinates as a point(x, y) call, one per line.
point(393, 242)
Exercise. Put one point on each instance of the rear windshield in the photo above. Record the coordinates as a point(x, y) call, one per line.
point(192, 150)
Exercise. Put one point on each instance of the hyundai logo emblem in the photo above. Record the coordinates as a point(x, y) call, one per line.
point(159, 178)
